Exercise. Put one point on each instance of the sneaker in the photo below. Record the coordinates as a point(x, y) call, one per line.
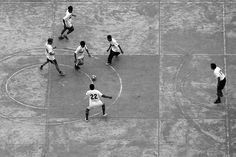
point(104, 115)
point(108, 63)
point(86, 120)
point(66, 37)
point(60, 37)
point(217, 101)
point(41, 67)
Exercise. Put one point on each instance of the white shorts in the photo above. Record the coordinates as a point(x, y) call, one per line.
point(79, 61)
point(95, 104)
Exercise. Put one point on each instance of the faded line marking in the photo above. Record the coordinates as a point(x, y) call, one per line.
point(179, 105)
point(227, 117)
point(27, 105)
point(120, 91)
point(19, 102)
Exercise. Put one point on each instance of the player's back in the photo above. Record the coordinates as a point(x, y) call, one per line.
point(94, 95)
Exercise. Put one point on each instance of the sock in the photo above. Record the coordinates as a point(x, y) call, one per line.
point(103, 109)
point(87, 114)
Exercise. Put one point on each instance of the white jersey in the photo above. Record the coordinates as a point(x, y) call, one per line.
point(68, 19)
point(80, 51)
point(218, 73)
point(114, 45)
point(49, 49)
point(94, 96)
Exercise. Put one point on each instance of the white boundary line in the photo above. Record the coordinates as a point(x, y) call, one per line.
point(122, 2)
point(120, 91)
point(35, 65)
point(19, 102)
point(43, 108)
point(226, 100)
point(159, 73)
point(157, 54)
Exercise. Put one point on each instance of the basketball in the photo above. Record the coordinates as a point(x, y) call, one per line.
point(93, 77)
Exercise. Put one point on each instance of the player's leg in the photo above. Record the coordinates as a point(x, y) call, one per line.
point(57, 67)
point(116, 54)
point(47, 61)
point(218, 100)
point(71, 29)
point(110, 57)
point(63, 31)
point(223, 82)
point(104, 110)
point(220, 87)
point(87, 114)
point(77, 65)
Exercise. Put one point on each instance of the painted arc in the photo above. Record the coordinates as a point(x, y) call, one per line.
point(33, 70)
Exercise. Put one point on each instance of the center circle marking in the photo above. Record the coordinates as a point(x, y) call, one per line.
point(45, 108)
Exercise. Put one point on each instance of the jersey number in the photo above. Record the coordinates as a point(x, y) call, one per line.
point(93, 96)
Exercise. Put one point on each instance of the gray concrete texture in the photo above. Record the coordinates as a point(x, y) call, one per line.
point(163, 88)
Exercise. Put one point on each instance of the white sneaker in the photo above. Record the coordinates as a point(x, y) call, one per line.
point(104, 115)
point(108, 63)
point(86, 120)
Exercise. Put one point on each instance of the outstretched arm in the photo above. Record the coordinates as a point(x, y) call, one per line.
point(120, 49)
point(88, 52)
point(109, 48)
point(105, 96)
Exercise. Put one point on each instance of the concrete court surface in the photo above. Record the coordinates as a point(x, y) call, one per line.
point(163, 88)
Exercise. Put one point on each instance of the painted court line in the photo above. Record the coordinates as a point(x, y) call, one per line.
point(120, 91)
point(46, 106)
point(19, 102)
point(69, 50)
point(160, 78)
point(35, 65)
point(170, 54)
point(227, 117)
point(179, 105)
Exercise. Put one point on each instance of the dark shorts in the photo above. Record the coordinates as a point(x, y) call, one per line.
point(52, 61)
point(221, 84)
point(115, 53)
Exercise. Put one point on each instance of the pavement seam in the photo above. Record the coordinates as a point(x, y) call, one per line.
point(159, 90)
point(227, 117)
point(47, 104)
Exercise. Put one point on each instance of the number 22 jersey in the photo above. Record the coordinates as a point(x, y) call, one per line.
point(94, 95)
